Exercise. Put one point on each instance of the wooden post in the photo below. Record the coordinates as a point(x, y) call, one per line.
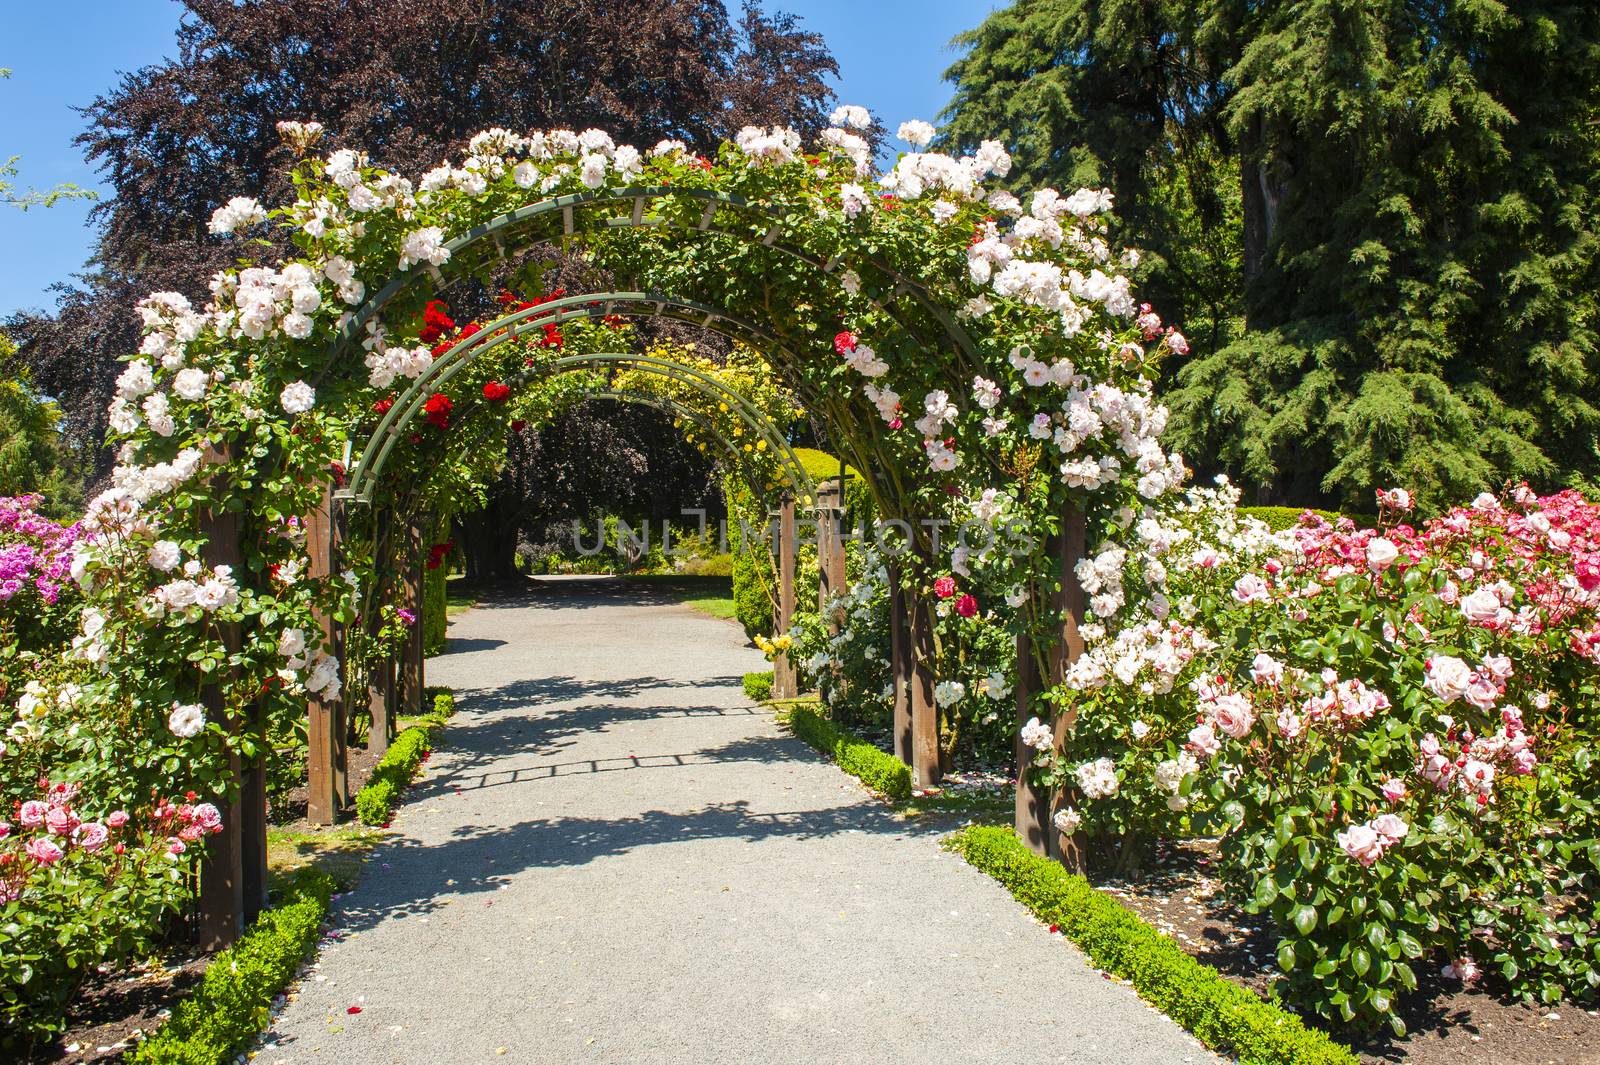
point(785, 681)
point(233, 873)
point(413, 574)
point(924, 710)
point(900, 665)
point(1069, 602)
point(831, 578)
point(1033, 801)
point(380, 703)
point(326, 776)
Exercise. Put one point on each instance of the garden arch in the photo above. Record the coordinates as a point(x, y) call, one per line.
point(1007, 327)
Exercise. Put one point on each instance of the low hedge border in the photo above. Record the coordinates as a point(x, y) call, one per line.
point(883, 773)
point(758, 686)
point(398, 766)
point(1221, 1014)
point(233, 1003)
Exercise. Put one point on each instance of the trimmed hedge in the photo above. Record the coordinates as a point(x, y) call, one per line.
point(882, 772)
point(1224, 1016)
point(398, 766)
point(1281, 518)
point(758, 686)
point(218, 1019)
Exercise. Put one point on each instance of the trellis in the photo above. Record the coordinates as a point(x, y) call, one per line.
point(235, 873)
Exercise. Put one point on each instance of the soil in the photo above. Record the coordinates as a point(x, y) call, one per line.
point(113, 1006)
point(1447, 1025)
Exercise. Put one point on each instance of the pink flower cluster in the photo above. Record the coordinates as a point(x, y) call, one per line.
point(1347, 703)
point(1469, 763)
point(49, 830)
point(33, 549)
point(1367, 843)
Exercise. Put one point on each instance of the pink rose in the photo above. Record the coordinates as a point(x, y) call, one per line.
point(1498, 666)
point(91, 835)
point(1232, 714)
point(1361, 843)
point(1394, 498)
point(944, 587)
point(5, 830)
point(33, 812)
point(1481, 607)
point(1265, 669)
point(60, 820)
point(1390, 827)
point(207, 817)
point(1524, 761)
point(1463, 969)
point(175, 846)
point(1394, 789)
point(43, 851)
point(1448, 677)
point(1251, 589)
point(1381, 554)
point(1478, 777)
point(1203, 741)
point(1482, 693)
point(1512, 716)
point(118, 818)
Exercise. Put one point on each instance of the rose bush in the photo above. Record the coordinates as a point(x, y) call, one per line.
point(1392, 730)
point(80, 891)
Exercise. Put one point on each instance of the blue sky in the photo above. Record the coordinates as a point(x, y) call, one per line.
point(891, 54)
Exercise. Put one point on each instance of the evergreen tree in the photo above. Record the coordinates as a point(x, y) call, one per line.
point(1415, 240)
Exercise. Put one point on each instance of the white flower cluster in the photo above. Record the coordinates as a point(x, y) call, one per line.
point(258, 302)
point(383, 367)
point(1097, 779)
point(772, 146)
point(1169, 777)
point(241, 212)
point(170, 323)
point(948, 693)
point(196, 593)
point(1101, 578)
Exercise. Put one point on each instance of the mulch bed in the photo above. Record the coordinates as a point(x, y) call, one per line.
point(1447, 1026)
point(115, 1005)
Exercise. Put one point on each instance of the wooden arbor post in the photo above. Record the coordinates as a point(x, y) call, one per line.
point(326, 759)
point(785, 680)
point(412, 576)
point(233, 873)
point(831, 579)
point(1035, 809)
point(920, 684)
point(900, 664)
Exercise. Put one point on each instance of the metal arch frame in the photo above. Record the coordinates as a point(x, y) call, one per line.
point(495, 229)
point(508, 327)
point(381, 443)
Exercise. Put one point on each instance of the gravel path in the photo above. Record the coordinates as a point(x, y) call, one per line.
point(615, 858)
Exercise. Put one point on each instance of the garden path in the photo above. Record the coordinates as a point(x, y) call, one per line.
point(614, 857)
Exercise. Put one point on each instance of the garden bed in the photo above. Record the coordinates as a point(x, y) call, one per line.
point(1179, 896)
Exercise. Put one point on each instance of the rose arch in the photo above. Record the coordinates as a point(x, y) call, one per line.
point(979, 358)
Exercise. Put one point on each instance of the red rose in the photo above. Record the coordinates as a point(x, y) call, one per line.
point(383, 405)
point(967, 606)
point(495, 392)
point(944, 587)
point(518, 425)
point(844, 342)
point(437, 408)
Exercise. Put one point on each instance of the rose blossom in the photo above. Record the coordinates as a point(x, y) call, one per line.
point(33, 813)
point(1251, 589)
point(91, 835)
point(1381, 554)
point(1394, 789)
point(1265, 669)
point(944, 587)
point(967, 606)
point(43, 851)
point(1361, 843)
point(1390, 827)
point(1448, 677)
point(1481, 607)
point(117, 819)
point(1233, 714)
point(1203, 741)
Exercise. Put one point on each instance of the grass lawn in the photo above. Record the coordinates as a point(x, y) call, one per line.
point(457, 596)
point(709, 595)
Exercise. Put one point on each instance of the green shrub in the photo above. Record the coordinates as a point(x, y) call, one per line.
point(758, 686)
point(1281, 518)
point(1224, 1016)
point(878, 770)
point(219, 1018)
point(398, 766)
